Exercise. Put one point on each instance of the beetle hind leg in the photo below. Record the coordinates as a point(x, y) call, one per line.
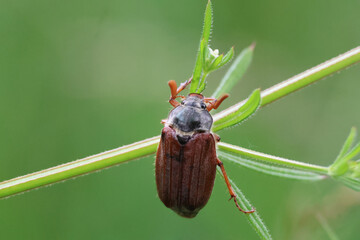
point(231, 191)
point(237, 205)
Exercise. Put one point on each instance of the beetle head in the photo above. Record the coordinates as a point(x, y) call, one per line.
point(194, 100)
point(191, 116)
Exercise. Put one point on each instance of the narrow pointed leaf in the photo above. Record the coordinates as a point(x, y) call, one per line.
point(244, 112)
point(198, 67)
point(227, 58)
point(356, 170)
point(348, 143)
point(352, 153)
point(201, 87)
point(251, 154)
point(235, 72)
point(215, 63)
point(271, 169)
point(251, 103)
point(341, 165)
point(207, 23)
point(254, 218)
point(349, 182)
point(202, 83)
point(205, 55)
point(204, 42)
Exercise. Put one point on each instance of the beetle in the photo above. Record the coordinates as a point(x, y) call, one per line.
point(186, 159)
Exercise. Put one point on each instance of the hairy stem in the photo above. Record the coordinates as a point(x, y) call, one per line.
point(79, 167)
point(301, 80)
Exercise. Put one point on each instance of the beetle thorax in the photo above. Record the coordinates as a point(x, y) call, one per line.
point(190, 117)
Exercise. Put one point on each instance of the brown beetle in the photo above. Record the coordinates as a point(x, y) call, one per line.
point(186, 158)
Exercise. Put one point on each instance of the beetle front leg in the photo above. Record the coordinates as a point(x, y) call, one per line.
point(183, 85)
point(207, 100)
point(216, 103)
point(231, 191)
point(175, 91)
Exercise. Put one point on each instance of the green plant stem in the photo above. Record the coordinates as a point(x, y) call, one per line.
point(148, 146)
point(301, 80)
point(272, 159)
point(79, 167)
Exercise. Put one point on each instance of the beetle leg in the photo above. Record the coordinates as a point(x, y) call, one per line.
point(173, 88)
point(174, 103)
point(209, 99)
point(216, 137)
point(163, 121)
point(183, 85)
point(175, 91)
point(232, 194)
point(216, 103)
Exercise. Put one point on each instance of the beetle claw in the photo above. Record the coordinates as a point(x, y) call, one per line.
point(242, 210)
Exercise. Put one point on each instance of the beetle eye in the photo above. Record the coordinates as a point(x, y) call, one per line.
point(203, 105)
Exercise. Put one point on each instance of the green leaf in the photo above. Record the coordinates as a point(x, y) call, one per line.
point(201, 87)
point(341, 164)
point(356, 170)
point(215, 63)
point(204, 43)
point(251, 154)
point(352, 153)
point(205, 56)
point(245, 111)
point(198, 67)
point(236, 71)
point(270, 168)
point(202, 83)
point(349, 182)
point(254, 218)
point(227, 58)
point(348, 143)
point(207, 23)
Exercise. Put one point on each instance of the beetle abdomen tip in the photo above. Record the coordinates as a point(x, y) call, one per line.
point(186, 213)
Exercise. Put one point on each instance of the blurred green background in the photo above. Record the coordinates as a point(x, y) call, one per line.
point(81, 77)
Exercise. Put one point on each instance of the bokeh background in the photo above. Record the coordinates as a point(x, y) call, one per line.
point(81, 77)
